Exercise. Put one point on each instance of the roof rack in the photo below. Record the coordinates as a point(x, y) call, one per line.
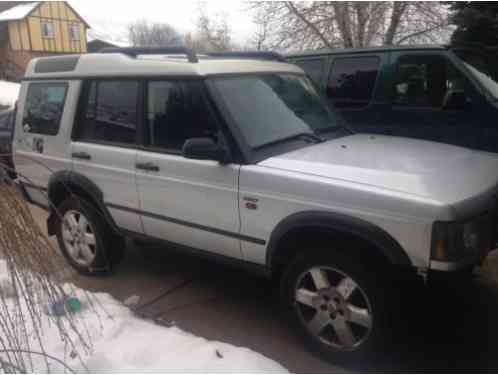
point(262, 55)
point(135, 51)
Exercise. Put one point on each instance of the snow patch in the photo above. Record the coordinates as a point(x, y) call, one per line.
point(18, 12)
point(9, 91)
point(123, 342)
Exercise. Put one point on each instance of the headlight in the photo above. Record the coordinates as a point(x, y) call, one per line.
point(454, 241)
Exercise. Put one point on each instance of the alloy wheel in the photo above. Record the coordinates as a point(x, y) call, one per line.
point(333, 308)
point(79, 238)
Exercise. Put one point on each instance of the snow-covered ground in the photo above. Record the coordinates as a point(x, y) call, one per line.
point(123, 342)
point(9, 91)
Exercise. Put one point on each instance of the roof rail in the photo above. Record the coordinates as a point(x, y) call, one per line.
point(135, 51)
point(262, 55)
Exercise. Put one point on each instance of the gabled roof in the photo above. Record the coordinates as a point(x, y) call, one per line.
point(17, 10)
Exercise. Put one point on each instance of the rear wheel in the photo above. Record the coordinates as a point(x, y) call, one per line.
point(337, 305)
point(85, 238)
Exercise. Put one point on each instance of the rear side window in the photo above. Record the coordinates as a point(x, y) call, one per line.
point(44, 107)
point(313, 68)
point(352, 81)
point(109, 113)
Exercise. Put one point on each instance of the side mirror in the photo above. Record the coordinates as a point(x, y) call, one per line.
point(204, 149)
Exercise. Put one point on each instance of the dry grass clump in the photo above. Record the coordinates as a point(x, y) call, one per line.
point(36, 271)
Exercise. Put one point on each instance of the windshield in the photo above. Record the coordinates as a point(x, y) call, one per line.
point(273, 107)
point(481, 68)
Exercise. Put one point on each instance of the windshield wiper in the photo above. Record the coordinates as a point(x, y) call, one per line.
point(304, 135)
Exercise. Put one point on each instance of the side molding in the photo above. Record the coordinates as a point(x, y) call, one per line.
point(391, 249)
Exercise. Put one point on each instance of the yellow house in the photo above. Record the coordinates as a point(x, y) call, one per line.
point(33, 29)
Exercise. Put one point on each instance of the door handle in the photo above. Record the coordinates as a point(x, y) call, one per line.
point(147, 167)
point(81, 155)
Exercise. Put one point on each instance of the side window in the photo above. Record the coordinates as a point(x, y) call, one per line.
point(352, 81)
point(44, 107)
point(428, 81)
point(313, 68)
point(110, 112)
point(177, 111)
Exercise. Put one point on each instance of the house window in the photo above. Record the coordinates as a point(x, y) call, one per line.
point(74, 32)
point(47, 30)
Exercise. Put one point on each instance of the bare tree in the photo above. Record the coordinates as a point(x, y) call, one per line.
point(143, 33)
point(213, 32)
point(337, 24)
point(261, 36)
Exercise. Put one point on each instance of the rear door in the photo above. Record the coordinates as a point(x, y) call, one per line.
point(184, 201)
point(354, 87)
point(104, 147)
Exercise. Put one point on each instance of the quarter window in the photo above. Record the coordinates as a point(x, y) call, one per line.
point(177, 111)
point(110, 113)
point(352, 81)
point(47, 30)
point(44, 107)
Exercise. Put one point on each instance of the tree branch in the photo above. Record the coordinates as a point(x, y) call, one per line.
point(312, 27)
point(421, 32)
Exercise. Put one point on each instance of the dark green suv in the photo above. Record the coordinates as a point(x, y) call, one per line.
point(444, 94)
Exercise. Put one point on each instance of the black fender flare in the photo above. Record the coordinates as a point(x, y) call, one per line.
point(75, 181)
point(369, 232)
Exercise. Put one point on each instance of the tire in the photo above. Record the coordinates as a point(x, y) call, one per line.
point(95, 252)
point(342, 312)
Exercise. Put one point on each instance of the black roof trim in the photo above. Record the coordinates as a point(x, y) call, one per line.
point(135, 51)
point(261, 55)
point(340, 51)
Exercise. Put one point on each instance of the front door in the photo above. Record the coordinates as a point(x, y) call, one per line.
point(187, 202)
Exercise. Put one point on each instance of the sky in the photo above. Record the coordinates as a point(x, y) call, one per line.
point(109, 18)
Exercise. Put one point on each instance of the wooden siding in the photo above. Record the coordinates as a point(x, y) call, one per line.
point(26, 34)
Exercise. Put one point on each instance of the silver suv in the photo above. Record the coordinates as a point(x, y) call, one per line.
point(239, 159)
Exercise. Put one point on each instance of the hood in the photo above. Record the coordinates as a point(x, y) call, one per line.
point(436, 171)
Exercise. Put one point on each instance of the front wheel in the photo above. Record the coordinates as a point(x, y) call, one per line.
point(336, 305)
